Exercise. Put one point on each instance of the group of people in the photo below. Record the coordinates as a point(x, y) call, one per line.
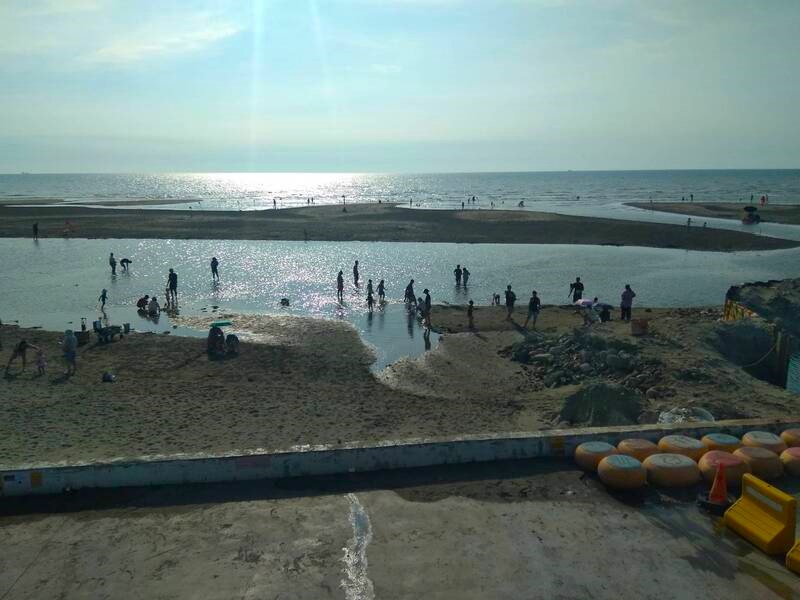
point(594, 310)
point(124, 263)
point(462, 275)
point(534, 306)
point(69, 346)
point(421, 305)
point(150, 306)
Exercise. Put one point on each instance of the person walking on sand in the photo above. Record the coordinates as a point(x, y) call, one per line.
point(112, 262)
point(21, 351)
point(576, 289)
point(470, 320)
point(355, 274)
point(409, 295)
point(340, 287)
point(381, 291)
point(427, 312)
point(172, 286)
point(534, 306)
point(511, 298)
point(214, 268)
point(458, 272)
point(465, 275)
point(36, 231)
point(70, 349)
point(627, 303)
point(102, 299)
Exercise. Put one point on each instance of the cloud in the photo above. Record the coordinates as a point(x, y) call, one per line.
point(156, 42)
point(40, 8)
point(64, 34)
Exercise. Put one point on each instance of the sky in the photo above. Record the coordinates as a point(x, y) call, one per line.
point(398, 85)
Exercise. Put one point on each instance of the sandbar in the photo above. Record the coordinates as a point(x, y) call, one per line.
point(372, 222)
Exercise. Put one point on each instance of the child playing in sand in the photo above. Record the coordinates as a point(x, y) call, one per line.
point(41, 362)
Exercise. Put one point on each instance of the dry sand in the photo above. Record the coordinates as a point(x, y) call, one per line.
point(307, 381)
point(771, 213)
point(371, 222)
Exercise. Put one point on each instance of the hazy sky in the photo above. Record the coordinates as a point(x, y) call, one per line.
point(398, 85)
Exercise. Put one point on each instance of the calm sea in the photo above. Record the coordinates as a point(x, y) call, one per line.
point(252, 191)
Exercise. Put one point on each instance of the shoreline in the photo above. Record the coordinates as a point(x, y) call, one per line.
point(309, 382)
point(373, 222)
point(786, 214)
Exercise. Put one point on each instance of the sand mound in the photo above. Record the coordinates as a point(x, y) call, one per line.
point(601, 404)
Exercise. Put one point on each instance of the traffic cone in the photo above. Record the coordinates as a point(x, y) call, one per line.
point(719, 489)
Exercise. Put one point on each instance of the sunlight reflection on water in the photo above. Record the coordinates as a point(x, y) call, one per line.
point(55, 281)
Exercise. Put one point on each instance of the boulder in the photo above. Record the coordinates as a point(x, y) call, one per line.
point(600, 404)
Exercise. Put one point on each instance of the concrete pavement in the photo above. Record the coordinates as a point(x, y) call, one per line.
point(521, 529)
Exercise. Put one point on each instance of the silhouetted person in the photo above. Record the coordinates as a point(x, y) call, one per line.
point(458, 272)
point(534, 306)
point(125, 262)
point(172, 286)
point(340, 287)
point(214, 268)
point(21, 351)
point(427, 308)
point(465, 276)
point(576, 289)
point(103, 297)
point(381, 291)
point(355, 274)
point(36, 231)
point(627, 303)
point(112, 262)
point(409, 296)
point(511, 298)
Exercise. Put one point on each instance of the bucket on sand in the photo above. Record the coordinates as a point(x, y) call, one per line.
point(639, 326)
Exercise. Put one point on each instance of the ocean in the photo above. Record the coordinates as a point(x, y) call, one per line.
point(571, 191)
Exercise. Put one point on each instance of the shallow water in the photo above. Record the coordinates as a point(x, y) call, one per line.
point(54, 282)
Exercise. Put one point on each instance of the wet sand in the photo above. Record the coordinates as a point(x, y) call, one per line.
point(307, 381)
point(372, 222)
point(772, 213)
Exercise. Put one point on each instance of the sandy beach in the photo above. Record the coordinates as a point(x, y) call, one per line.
point(771, 213)
point(307, 381)
point(371, 222)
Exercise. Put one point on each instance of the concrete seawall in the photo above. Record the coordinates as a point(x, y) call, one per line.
point(21, 480)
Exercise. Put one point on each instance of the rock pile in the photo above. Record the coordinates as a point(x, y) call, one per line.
point(585, 356)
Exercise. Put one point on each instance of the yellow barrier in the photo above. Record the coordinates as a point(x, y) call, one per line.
point(733, 311)
point(793, 558)
point(763, 515)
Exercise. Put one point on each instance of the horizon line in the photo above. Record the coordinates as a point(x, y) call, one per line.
point(488, 172)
